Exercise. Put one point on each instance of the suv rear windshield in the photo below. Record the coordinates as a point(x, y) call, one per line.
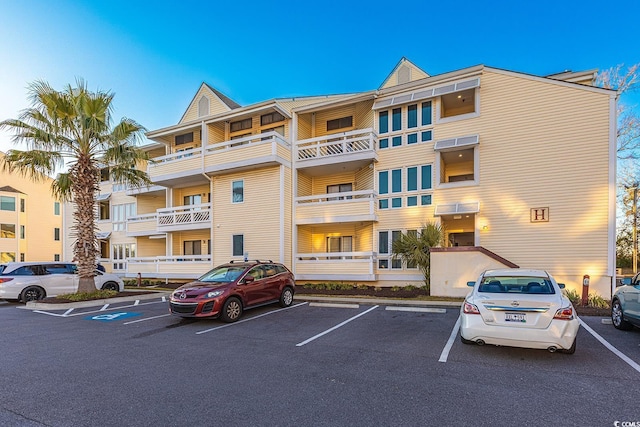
point(516, 285)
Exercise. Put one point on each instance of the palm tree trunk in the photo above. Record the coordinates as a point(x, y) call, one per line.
point(85, 249)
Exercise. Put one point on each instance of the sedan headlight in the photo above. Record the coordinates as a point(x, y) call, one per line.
point(213, 294)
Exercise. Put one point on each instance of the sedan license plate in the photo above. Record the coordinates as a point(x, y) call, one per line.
point(515, 317)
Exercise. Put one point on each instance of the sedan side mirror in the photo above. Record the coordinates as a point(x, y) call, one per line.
point(561, 285)
point(471, 284)
point(626, 281)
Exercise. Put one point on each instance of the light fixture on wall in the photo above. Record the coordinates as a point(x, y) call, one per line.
point(485, 227)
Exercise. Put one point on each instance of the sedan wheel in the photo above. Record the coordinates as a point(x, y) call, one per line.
point(32, 293)
point(617, 317)
point(286, 299)
point(231, 310)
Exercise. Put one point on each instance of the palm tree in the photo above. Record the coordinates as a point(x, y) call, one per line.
point(73, 126)
point(414, 248)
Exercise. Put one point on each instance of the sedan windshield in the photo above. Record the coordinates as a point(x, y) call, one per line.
point(222, 274)
point(516, 285)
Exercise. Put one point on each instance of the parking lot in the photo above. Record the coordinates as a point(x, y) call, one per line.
point(312, 363)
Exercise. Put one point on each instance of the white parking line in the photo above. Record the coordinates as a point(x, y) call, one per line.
point(447, 348)
point(147, 318)
point(335, 327)
point(248, 319)
point(416, 309)
point(614, 350)
point(67, 313)
point(333, 305)
point(104, 307)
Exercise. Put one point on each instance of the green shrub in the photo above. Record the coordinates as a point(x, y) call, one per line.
point(573, 295)
point(87, 296)
point(596, 301)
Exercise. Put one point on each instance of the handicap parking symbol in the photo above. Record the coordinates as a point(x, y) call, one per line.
point(111, 316)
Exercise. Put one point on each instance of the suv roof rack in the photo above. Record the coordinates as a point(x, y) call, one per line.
point(251, 260)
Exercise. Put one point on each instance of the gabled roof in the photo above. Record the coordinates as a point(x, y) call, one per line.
point(8, 189)
point(221, 101)
point(414, 73)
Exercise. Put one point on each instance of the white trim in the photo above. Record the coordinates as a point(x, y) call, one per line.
point(282, 209)
point(475, 113)
point(233, 182)
point(613, 151)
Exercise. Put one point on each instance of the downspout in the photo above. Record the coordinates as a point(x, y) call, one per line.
point(204, 136)
point(613, 159)
point(294, 192)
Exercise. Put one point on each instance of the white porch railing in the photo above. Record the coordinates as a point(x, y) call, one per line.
point(335, 266)
point(177, 156)
point(255, 139)
point(184, 215)
point(336, 144)
point(345, 196)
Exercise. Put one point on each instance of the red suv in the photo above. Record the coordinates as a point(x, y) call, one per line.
point(229, 289)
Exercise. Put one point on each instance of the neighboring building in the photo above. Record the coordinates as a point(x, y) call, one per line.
point(30, 220)
point(520, 169)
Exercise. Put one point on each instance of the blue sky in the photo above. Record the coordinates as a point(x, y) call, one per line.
point(155, 55)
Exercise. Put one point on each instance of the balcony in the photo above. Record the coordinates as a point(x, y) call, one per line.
point(179, 218)
point(331, 153)
point(169, 267)
point(265, 149)
point(348, 206)
point(142, 225)
point(340, 266)
point(177, 169)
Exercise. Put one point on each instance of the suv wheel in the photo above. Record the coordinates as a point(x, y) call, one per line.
point(617, 317)
point(231, 310)
point(286, 298)
point(32, 293)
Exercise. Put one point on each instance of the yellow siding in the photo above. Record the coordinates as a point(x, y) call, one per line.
point(323, 116)
point(216, 133)
point(416, 74)
point(364, 179)
point(364, 116)
point(304, 127)
point(150, 247)
point(305, 185)
point(149, 204)
point(180, 237)
point(180, 193)
point(320, 182)
point(257, 218)
point(216, 106)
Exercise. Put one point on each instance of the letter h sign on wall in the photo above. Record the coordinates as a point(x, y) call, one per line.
point(539, 215)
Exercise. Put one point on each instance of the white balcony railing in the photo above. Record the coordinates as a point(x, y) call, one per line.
point(346, 196)
point(176, 266)
point(177, 156)
point(250, 140)
point(184, 215)
point(335, 266)
point(336, 144)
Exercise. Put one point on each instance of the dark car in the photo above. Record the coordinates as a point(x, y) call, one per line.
point(625, 304)
point(229, 289)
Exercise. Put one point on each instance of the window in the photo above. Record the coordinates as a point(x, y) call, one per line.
point(383, 122)
point(458, 103)
point(120, 215)
point(342, 122)
point(413, 179)
point(104, 174)
point(396, 119)
point(340, 244)
point(405, 131)
point(237, 191)
point(194, 199)
point(339, 188)
point(385, 248)
point(120, 252)
point(21, 257)
point(7, 231)
point(241, 125)
point(7, 257)
point(56, 257)
point(192, 247)
point(203, 106)
point(22, 232)
point(56, 234)
point(185, 138)
point(7, 203)
point(278, 129)
point(56, 208)
point(103, 210)
point(274, 117)
point(22, 205)
point(238, 245)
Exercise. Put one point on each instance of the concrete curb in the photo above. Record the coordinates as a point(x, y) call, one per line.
point(381, 301)
point(34, 305)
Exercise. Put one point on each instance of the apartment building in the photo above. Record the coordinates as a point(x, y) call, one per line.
point(519, 169)
point(30, 220)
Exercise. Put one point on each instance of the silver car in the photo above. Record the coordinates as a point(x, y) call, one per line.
point(30, 281)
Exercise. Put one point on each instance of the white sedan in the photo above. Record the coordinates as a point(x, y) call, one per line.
point(519, 308)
